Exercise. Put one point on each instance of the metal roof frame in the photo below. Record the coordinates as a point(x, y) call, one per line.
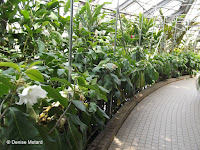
point(160, 4)
point(126, 4)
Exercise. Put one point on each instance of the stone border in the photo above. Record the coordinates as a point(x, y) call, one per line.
point(105, 137)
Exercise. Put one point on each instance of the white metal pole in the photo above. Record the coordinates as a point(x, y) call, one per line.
point(117, 12)
point(70, 40)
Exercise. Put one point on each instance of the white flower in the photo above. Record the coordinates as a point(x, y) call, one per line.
point(114, 67)
point(46, 33)
point(55, 104)
point(96, 33)
point(31, 94)
point(69, 91)
point(80, 25)
point(63, 93)
point(34, 67)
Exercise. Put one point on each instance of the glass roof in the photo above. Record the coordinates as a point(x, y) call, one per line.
point(171, 9)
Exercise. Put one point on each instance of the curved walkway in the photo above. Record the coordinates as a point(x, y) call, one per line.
point(168, 119)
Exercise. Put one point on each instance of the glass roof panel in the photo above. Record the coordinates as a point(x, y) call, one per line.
point(134, 9)
point(170, 8)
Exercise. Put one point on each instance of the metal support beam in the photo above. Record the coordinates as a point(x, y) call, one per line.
point(152, 9)
point(122, 32)
point(163, 38)
point(70, 40)
point(174, 36)
point(184, 9)
point(141, 28)
point(126, 4)
point(156, 49)
point(152, 34)
point(195, 43)
point(117, 13)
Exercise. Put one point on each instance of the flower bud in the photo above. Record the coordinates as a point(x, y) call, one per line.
point(82, 98)
point(80, 25)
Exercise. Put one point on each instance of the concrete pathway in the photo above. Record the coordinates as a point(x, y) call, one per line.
point(168, 119)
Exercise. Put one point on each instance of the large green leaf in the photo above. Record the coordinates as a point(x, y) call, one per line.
point(35, 63)
point(74, 136)
point(97, 11)
point(57, 36)
point(35, 75)
point(25, 13)
point(54, 93)
point(51, 141)
point(93, 107)
point(5, 85)
point(82, 10)
point(52, 4)
point(89, 14)
point(41, 46)
point(4, 89)
point(10, 64)
point(67, 6)
point(79, 105)
point(101, 93)
point(115, 79)
point(102, 113)
point(20, 128)
point(76, 120)
point(28, 29)
point(61, 81)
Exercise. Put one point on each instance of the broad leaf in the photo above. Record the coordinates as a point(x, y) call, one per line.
point(35, 75)
point(93, 107)
point(97, 10)
point(35, 63)
point(20, 128)
point(25, 13)
point(89, 15)
point(67, 6)
point(41, 46)
point(116, 79)
point(10, 64)
point(5, 85)
point(76, 120)
point(74, 136)
point(79, 105)
point(61, 81)
point(54, 93)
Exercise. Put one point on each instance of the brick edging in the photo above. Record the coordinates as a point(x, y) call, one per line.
point(105, 137)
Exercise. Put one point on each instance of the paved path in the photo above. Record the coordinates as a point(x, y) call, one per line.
point(168, 119)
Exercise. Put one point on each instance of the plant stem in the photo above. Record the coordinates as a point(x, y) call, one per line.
point(25, 43)
point(15, 90)
point(3, 114)
point(3, 102)
point(60, 117)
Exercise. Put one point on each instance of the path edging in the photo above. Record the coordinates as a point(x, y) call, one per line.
point(106, 136)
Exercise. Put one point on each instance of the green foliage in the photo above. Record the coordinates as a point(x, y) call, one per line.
point(102, 80)
point(34, 75)
point(10, 64)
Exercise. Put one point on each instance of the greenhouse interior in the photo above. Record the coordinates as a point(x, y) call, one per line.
point(99, 74)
